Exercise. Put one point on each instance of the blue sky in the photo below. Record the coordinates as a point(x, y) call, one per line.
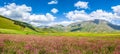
point(65, 11)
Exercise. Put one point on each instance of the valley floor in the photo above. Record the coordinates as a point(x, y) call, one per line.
point(30, 44)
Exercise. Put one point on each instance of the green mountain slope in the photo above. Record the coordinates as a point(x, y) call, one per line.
point(8, 25)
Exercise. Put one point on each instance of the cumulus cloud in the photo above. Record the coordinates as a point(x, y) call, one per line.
point(41, 18)
point(77, 15)
point(116, 9)
point(81, 4)
point(14, 11)
point(22, 12)
point(54, 10)
point(98, 14)
point(53, 2)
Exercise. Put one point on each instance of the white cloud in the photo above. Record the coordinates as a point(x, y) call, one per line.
point(54, 10)
point(98, 14)
point(53, 2)
point(22, 13)
point(35, 24)
point(77, 15)
point(81, 4)
point(64, 23)
point(116, 9)
point(42, 18)
point(14, 11)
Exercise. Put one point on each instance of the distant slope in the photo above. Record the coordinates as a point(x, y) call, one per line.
point(58, 28)
point(97, 26)
point(6, 23)
point(93, 26)
point(53, 28)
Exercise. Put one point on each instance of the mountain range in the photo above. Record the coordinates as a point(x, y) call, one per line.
point(96, 25)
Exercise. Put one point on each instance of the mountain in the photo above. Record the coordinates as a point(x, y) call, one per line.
point(96, 25)
point(53, 28)
point(58, 28)
point(7, 24)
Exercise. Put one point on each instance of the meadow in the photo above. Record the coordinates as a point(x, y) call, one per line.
point(36, 44)
point(29, 42)
point(72, 34)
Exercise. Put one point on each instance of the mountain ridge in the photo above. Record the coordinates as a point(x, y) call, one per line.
point(96, 25)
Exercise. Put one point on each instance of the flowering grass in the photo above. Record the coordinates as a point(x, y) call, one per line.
point(29, 44)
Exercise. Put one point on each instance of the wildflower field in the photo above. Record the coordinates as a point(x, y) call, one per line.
point(30, 44)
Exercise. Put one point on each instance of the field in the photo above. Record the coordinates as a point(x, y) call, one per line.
point(34, 44)
point(75, 34)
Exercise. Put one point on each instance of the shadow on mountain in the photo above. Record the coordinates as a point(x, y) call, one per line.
point(96, 21)
point(75, 29)
point(116, 27)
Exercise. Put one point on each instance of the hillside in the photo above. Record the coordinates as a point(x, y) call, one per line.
point(13, 26)
point(8, 25)
point(93, 26)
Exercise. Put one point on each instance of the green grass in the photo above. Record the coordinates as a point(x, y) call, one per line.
point(77, 34)
point(10, 31)
point(8, 26)
point(72, 34)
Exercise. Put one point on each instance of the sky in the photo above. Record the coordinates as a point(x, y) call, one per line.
point(65, 12)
